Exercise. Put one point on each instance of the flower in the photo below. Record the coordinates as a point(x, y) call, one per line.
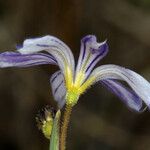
point(71, 81)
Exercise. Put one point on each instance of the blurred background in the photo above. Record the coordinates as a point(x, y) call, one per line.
point(100, 121)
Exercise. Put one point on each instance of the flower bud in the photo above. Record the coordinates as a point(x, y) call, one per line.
point(44, 119)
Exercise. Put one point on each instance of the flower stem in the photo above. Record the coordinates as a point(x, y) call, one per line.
point(64, 127)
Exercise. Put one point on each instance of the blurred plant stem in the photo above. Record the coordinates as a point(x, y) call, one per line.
point(54, 140)
point(64, 127)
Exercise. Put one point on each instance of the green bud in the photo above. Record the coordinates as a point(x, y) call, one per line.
point(45, 119)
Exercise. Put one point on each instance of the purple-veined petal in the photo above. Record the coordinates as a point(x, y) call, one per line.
point(58, 49)
point(91, 52)
point(58, 88)
point(128, 96)
point(139, 85)
point(15, 59)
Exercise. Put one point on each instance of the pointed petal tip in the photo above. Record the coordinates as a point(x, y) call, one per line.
point(95, 47)
point(104, 46)
point(91, 38)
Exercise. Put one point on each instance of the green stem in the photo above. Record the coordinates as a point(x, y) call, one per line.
point(64, 127)
point(54, 139)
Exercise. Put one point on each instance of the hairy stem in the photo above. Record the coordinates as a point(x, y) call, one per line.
point(64, 127)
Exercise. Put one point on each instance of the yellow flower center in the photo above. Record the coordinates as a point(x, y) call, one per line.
point(77, 87)
point(72, 96)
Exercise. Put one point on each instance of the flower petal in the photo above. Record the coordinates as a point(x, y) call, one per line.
point(128, 96)
point(58, 49)
point(58, 88)
point(91, 52)
point(15, 59)
point(134, 80)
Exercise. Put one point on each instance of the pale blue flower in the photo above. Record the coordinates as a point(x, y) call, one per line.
point(71, 81)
